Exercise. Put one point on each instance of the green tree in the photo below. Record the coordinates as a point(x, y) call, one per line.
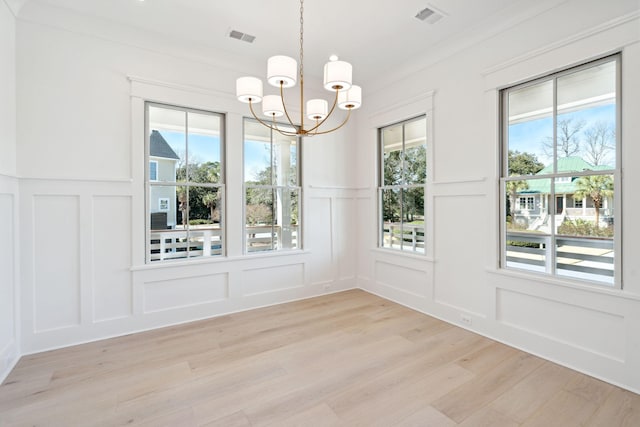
point(598, 187)
point(200, 204)
point(402, 169)
point(523, 163)
point(520, 164)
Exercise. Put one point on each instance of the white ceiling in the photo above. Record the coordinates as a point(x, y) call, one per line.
point(375, 36)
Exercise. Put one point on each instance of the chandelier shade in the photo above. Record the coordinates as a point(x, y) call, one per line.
point(282, 70)
point(317, 109)
point(283, 73)
point(337, 75)
point(272, 106)
point(249, 89)
point(350, 99)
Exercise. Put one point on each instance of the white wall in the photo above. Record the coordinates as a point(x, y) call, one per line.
point(81, 163)
point(9, 346)
point(590, 329)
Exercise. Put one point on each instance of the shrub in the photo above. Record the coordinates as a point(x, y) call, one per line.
point(581, 227)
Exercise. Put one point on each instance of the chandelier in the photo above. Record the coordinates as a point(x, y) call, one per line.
point(283, 72)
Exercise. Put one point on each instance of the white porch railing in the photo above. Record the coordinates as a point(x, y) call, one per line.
point(268, 238)
point(407, 237)
point(590, 258)
point(172, 244)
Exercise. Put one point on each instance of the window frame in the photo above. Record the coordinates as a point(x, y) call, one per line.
point(148, 183)
point(401, 187)
point(274, 188)
point(558, 177)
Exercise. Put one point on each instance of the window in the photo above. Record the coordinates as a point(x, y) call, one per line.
point(561, 145)
point(153, 170)
point(403, 176)
point(272, 189)
point(526, 203)
point(163, 204)
point(185, 201)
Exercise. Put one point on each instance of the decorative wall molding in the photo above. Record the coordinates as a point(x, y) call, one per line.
point(605, 26)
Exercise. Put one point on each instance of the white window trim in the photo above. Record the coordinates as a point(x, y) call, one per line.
point(618, 278)
point(420, 105)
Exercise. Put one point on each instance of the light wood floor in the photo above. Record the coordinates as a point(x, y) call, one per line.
point(349, 359)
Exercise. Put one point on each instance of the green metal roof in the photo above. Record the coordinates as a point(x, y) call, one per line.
point(565, 164)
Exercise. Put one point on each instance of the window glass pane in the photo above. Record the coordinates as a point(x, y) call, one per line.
point(587, 116)
point(528, 205)
point(284, 168)
point(413, 219)
point(585, 242)
point(168, 142)
point(286, 229)
point(257, 153)
point(530, 128)
point(162, 207)
point(392, 155)
point(391, 218)
point(415, 152)
point(259, 219)
point(204, 148)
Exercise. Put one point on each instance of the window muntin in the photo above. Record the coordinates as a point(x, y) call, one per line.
point(403, 176)
point(561, 144)
point(185, 204)
point(272, 189)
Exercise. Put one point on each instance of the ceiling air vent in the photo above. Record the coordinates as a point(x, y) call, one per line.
point(430, 15)
point(234, 34)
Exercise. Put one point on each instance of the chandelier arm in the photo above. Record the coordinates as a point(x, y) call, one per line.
point(346, 119)
point(284, 106)
point(262, 122)
point(281, 131)
point(333, 107)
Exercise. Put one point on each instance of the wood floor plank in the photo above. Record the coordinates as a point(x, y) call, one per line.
point(526, 397)
point(350, 359)
point(482, 390)
point(427, 416)
point(563, 409)
point(622, 409)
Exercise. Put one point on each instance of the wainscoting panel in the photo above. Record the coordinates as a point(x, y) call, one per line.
point(344, 232)
point(319, 239)
point(461, 244)
point(272, 279)
point(185, 292)
point(112, 292)
point(56, 261)
point(594, 331)
point(406, 280)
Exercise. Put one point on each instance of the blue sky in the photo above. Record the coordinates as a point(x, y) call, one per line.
point(528, 136)
point(204, 148)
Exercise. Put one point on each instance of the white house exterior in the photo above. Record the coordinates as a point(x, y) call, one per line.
point(162, 168)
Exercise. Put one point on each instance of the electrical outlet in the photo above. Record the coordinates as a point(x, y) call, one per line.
point(466, 319)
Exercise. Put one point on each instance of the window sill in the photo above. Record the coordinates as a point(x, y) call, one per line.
point(216, 260)
point(556, 281)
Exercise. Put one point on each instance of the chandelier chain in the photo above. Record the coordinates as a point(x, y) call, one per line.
point(301, 36)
